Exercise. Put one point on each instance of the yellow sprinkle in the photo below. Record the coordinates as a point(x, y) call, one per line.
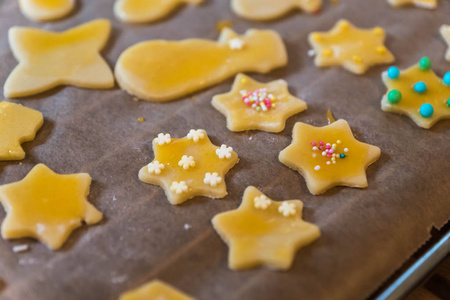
point(338, 141)
point(334, 145)
point(141, 119)
point(327, 52)
point(381, 50)
point(357, 59)
point(136, 99)
point(378, 31)
point(333, 158)
point(274, 105)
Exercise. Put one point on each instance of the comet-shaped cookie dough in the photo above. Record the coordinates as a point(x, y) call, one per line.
point(272, 9)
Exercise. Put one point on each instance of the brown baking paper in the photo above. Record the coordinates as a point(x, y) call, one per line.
point(366, 233)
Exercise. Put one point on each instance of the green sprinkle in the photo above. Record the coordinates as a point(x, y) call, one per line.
point(425, 64)
point(394, 96)
point(448, 102)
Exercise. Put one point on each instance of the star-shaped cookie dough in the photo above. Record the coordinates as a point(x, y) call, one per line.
point(353, 48)
point(329, 156)
point(48, 59)
point(254, 105)
point(188, 167)
point(155, 290)
point(418, 93)
point(47, 206)
point(45, 10)
point(18, 124)
point(428, 4)
point(264, 232)
point(445, 32)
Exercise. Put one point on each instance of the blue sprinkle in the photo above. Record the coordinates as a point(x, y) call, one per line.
point(342, 155)
point(420, 87)
point(447, 78)
point(393, 72)
point(426, 110)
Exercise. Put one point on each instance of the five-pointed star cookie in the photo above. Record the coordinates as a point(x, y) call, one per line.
point(44, 10)
point(445, 32)
point(47, 206)
point(18, 124)
point(188, 167)
point(264, 232)
point(353, 48)
point(48, 59)
point(329, 156)
point(429, 4)
point(254, 105)
point(418, 93)
point(155, 290)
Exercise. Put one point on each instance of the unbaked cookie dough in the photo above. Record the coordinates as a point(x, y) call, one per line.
point(18, 124)
point(188, 167)
point(354, 49)
point(254, 105)
point(139, 11)
point(155, 290)
point(162, 70)
point(48, 59)
point(329, 156)
point(46, 10)
point(272, 9)
point(428, 4)
point(445, 32)
point(264, 232)
point(47, 206)
point(418, 93)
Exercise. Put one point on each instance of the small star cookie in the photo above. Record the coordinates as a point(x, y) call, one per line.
point(428, 4)
point(264, 232)
point(47, 206)
point(254, 105)
point(48, 59)
point(155, 290)
point(160, 70)
point(18, 124)
point(188, 167)
point(445, 32)
point(353, 48)
point(329, 156)
point(140, 11)
point(272, 9)
point(46, 10)
point(418, 93)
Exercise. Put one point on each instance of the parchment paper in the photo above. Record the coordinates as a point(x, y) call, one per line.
point(366, 233)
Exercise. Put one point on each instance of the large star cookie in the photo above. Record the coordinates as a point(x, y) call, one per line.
point(48, 59)
point(272, 9)
point(155, 290)
point(264, 232)
point(18, 124)
point(254, 105)
point(329, 156)
point(188, 167)
point(418, 93)
point(429, 4)
point(353, 48)
point(445, 32)
point(47, 206)
point(138, 11)
point(160, 70)
point(44, 10)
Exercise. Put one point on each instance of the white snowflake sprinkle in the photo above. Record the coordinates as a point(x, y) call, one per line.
point(155, 167)
point(163, 139)
point(178, 187)
point(287, 209)
point(236, 44)
point(317, 168)
point(262, 202)
point(196, 135)
point(21, 248)
point(224, 152)
point(212, 179)
point(311, 52)
point(187, 162)
point(346, 150)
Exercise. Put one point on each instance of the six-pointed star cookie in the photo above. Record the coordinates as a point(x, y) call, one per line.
point(254, 105)
point(48, 59)
point(155, 290)
point(429, 4)
point(353, 48)
point(445, 32)
point(329, 156)
point(418, 93)
point(188, 167)
point(18, 124)
point(264, 232)
point(43, 10)
point(47, 206)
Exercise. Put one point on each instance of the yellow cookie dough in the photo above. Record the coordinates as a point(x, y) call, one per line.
point(429, 4)
point(264, 232)
point(47, 206)
point(18, 124)
point(155, 290)
point(48, 59)
point(254, 105)
point(329, 156)
point(45, 10)
point(138, 11)
point(188, 167)
point(272, 9)
point(353, 48)
point(161, 70)
point(445, 32)
point(418, 93)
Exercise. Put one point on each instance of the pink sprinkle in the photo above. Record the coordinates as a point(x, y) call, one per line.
point(328, 147)
point(314, 143)
point(328, 155)
point(331, 151)
point(268, 104)
point(321, 143)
